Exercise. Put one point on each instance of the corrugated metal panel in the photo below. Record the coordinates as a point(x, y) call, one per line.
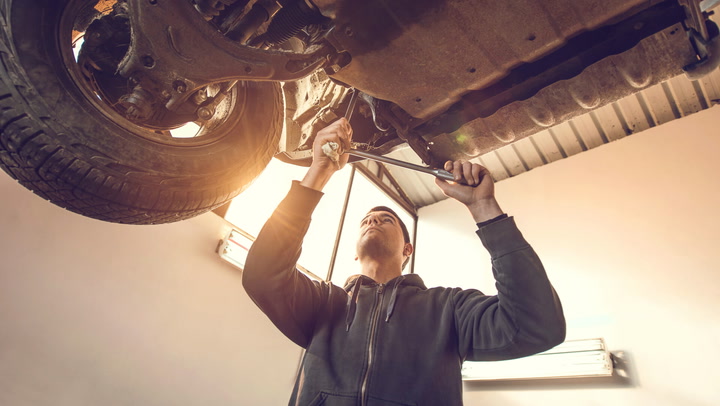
point(528, 153)
point(659, 105)
point(650, 107)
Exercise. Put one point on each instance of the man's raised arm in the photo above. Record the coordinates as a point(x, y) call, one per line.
point(289, 298)
point(526, 316)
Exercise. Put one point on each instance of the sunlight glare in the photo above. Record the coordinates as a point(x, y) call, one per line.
point(189, 130)
point(77, 46)
point(253, 207)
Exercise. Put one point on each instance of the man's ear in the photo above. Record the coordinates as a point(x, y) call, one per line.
point(407, 249)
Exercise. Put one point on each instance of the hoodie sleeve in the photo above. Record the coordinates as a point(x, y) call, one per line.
point(287, 296)
point(525, 317)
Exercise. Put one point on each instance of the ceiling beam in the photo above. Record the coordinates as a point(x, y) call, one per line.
point(393, 190)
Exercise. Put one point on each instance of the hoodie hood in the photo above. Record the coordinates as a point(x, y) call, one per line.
point(353, 284)
point(407, 279)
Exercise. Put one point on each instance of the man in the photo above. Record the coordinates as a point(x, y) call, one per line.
point(385, 339)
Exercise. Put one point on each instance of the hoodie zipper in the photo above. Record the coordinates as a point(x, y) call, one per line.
point(373, 327)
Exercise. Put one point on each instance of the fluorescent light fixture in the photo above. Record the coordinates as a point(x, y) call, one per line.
point(235, 246)
point(571, 359)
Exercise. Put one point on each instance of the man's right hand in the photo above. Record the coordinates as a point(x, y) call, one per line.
point(478, 192)
point(322, 167)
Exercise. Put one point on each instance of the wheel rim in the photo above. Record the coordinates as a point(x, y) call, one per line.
point(71, 37)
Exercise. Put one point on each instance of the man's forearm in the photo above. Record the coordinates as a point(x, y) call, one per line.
point(276, 248)
point(485, 209)
point(286, 296)
point(523, 285)
point(316, 178)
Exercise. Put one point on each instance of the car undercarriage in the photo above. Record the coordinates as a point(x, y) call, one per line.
point(449, 79)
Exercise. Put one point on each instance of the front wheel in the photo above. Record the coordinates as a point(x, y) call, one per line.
point(63, 136)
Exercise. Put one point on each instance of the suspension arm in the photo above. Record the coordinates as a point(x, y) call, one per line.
point(174, 51)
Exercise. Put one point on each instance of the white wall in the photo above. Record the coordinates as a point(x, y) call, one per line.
point(93, 313)
point(101, 314)
point(629, 234)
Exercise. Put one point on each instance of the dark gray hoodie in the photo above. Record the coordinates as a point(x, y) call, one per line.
point(397, 343)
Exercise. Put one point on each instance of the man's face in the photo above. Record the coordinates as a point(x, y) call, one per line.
point(380, 235)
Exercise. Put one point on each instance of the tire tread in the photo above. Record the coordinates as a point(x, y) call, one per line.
point(36, 151)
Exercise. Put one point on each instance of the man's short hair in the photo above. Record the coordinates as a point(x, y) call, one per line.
point(405, 232)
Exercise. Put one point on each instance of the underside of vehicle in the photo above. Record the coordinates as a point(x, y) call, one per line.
point(150, 111)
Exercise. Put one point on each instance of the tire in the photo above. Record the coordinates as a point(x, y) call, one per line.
point(56, 141)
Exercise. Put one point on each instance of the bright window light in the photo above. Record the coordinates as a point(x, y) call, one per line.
point(189, 130)
point(250, 210)
point(77, 46)
point(571, 359)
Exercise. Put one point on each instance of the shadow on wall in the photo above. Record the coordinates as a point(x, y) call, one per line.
point(623, 376)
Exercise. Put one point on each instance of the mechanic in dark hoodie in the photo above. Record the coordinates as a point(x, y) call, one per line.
point(385, 339)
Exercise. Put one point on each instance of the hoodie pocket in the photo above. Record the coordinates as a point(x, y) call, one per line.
point(373, 401)
point(333, 399)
